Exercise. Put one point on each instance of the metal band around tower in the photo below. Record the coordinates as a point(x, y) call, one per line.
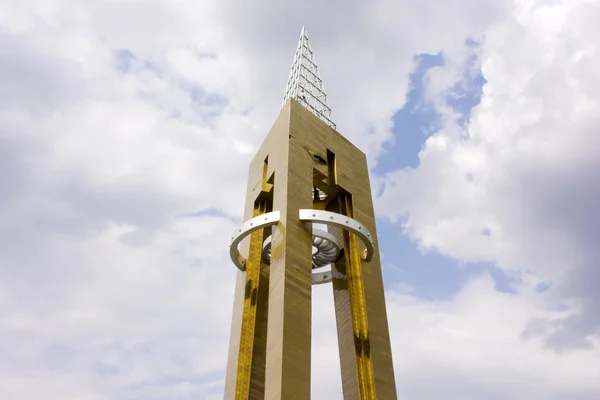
point(343, 222)
point(306, 215)
point(253, 224)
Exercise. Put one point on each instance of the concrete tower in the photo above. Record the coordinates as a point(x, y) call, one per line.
point(309, 220)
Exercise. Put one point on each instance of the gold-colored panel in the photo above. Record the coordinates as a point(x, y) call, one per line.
point(350, 170)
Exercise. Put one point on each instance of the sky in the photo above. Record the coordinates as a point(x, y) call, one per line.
point(126, 130)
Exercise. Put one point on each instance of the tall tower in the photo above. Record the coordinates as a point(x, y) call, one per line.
point(309, 220)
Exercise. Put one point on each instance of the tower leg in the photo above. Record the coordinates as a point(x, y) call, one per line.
point(290, 287)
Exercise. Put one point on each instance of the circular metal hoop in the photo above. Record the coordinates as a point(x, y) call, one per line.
point(327, 245)
point(343, 222)
point(319, 278)
point(253, 224)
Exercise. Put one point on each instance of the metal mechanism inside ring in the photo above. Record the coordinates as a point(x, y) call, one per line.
point(327, 246)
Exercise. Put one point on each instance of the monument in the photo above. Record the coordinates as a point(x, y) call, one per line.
point(309, 220)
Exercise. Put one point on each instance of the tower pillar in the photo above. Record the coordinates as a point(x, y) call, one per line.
point(304, 176)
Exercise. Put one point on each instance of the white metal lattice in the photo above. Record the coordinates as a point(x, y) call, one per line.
point(305, 85)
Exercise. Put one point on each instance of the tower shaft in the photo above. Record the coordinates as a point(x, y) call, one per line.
point(270, 347)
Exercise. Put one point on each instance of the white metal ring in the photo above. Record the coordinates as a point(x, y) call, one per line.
point(319, 278)
point(341, 221)
point(310, 216)
point(253, 224)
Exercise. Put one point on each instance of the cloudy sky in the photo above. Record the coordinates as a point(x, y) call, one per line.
point(126, 129)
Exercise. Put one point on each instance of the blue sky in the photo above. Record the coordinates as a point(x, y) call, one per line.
point(431, 275)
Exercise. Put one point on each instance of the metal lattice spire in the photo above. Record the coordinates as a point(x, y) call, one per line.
point(305, 85)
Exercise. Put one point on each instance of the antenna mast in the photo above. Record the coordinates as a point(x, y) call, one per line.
point(305, 84)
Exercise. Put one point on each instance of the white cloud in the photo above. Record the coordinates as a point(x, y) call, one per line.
point(116, 118)
point(475, 338)
point(521, 190)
